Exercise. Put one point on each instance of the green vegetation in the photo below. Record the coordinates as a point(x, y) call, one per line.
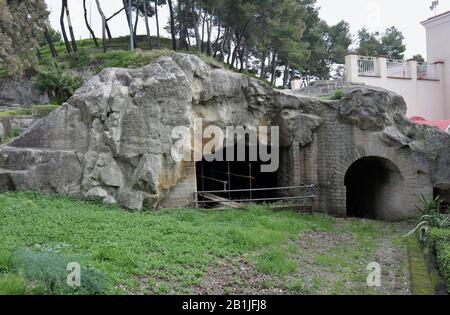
point(57, 81)
point(172, 251)
point(43, 110)
point(15, 132)
point(16, 112)
point(337, 95)
point(434, 230)
point(439, 243)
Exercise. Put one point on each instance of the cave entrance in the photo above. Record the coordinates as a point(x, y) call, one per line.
point(234, 180)
point(374, 188)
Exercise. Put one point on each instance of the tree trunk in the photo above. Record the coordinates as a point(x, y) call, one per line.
point(136, 20)
point(108, 31)
point(196, 19)
point(63, 28)
point(87, 24)
point(105, 41)
point(182, 10)
point(286, 76)
point(209, 29)
point(49, 42)
point(229, 50)
point(69, 22)
point(236, 48)
point(127, 8)
point(242, 55)
point(147, 27)
point(172, 26)
point(274, 68)
point(158, 38)
point(263, 65)
point(216, 43)
point(203, 31)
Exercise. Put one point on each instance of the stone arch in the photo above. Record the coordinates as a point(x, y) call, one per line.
point(374, 188)
point(415, 173)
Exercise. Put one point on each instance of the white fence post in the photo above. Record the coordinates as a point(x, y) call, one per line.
point(412, 69)
point(381, 66)
point(351, 67)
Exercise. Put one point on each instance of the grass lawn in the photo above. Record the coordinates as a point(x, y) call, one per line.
point(255, 250)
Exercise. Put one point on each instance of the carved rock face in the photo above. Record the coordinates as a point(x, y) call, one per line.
point(113, 138)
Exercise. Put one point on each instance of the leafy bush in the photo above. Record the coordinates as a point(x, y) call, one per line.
point(443, 261)
point(43, 110)
point(49, 270)
point(438, 236)
point(431, 217)
point(338, 94)
point(57, 81)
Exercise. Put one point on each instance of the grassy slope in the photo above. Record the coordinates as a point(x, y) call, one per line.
point(118, 55)
point(174, 251)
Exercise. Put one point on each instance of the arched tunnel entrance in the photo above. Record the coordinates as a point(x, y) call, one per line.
point(374, 189)
point(243, 177)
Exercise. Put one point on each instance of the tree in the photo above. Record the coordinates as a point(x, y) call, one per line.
point(21, 23)
point(87, 24)
point(50, 40)
point(69, 23)
point(369, 43)
point(172, 25)
point(105, 40)
point(390, 43)
point(63, 28)
point(53, 35)
point(158, 35)
point(418, 58)
point(147, 27)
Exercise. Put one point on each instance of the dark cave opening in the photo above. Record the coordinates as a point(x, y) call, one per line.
point(374, 187)
point(220, 176)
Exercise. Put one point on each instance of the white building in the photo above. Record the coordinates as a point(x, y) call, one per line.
point(424, 86)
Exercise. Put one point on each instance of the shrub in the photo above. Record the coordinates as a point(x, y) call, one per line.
point(57, 81)
point(43, 110)
point(337, 95)
point(49, 270)
point(437, 236)
point(443, 261)
point(431, 217)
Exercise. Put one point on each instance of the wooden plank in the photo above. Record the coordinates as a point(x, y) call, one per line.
point(223, 201)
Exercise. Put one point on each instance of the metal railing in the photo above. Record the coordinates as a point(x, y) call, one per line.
point(293, 193)
point(427, 71)
point(398, 69)
point(367, 66)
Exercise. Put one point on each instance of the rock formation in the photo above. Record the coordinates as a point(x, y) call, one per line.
point(112, 140)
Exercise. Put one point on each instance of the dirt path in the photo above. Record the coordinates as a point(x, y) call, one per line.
point(332, 262)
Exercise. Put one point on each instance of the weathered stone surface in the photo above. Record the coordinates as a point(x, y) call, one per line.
point(112, 139)
point(19, 92)
point(372, 108)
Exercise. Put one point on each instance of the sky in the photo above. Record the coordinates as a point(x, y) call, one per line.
point(376, 15)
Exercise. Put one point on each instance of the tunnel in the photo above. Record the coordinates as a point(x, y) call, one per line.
point(244, 177)
point(374, 188)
